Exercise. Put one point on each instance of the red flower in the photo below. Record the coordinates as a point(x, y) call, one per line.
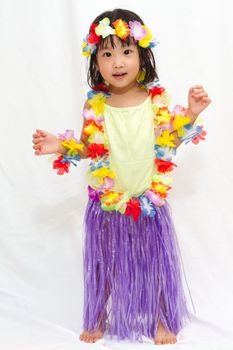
point(156, 90)
point(100, 87)
point(164, 165)
point(133, 208)
point(95, 149)
point(199, 137)
point(62, 167)
point(93, 38)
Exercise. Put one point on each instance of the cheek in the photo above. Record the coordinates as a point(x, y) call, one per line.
point(103, 68)
point(136, 65)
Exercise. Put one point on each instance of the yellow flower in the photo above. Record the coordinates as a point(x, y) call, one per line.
point(97, 103)
point(102, 173)
point(111, 197)
point(146, 40)
point(90, 129)
point(166, 139)
point(181, 132)
point(109, 200)
point(85, 52)
point(73, 147)
point(180, 121)
point(160, 188)
point(163, 116)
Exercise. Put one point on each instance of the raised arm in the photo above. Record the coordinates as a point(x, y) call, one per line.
point(68, 148)
point(46, 143)
point(198, 100)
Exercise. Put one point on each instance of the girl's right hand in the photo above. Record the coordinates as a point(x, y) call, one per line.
point(45, 143)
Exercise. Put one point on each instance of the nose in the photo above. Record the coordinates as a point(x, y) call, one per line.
point(118, 61)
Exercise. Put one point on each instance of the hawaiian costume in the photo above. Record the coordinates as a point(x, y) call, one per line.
point(132, 268)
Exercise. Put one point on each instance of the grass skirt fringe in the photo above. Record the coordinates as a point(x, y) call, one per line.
point(132, 274)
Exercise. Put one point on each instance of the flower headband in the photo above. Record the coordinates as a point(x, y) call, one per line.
point(122, 29)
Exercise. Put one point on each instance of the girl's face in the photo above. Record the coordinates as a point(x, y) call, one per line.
point(119, 66)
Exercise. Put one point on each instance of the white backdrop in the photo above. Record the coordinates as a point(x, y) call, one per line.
point(42, 85)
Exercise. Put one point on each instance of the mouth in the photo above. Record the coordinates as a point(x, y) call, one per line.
point(119, 75)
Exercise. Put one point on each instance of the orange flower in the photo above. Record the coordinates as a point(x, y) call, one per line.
point(122, 28)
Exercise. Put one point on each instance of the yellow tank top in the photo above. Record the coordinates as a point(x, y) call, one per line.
point(130, 135)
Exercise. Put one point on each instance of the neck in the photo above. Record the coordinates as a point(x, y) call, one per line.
point(127, 90)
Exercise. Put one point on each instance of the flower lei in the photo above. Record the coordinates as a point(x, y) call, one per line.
point(73, 148)
point(122, 29)
point(102, 176)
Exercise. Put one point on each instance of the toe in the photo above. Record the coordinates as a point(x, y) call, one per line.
point(87, 339)
point(174, 340)
point(169, 339)
point(158, 340)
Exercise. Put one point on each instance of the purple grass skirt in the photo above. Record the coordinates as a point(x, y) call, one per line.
point(132, 274)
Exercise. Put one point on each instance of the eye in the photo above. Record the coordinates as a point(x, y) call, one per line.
point(107, 54)
point(128, 51)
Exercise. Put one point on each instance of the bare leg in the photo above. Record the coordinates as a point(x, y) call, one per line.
point(162, 337)
point(93, 335)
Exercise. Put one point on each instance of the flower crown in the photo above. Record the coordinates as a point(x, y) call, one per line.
point(122, 29)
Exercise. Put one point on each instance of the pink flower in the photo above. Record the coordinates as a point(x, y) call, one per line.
point(199, 137)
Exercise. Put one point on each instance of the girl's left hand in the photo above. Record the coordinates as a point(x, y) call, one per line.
point(198, 99)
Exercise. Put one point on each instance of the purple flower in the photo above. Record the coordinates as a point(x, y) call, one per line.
point(136, 30)
point(68, 135)
point(93, 194)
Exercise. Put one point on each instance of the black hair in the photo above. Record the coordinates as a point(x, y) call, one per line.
point(146, 56)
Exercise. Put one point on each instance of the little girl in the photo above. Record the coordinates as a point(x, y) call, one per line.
point(132, 270)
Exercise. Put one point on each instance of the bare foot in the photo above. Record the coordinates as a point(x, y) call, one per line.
point(91, 336)
point(162, 337)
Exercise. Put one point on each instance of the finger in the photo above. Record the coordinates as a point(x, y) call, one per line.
point(37, 135)
point(198, 91)
point(37, 146)
point(42, 132)
point(196, 88)
point(207, 99)
point(200, 94)
point(37, 140)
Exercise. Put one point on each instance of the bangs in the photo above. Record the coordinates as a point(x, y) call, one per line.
point(109, 41)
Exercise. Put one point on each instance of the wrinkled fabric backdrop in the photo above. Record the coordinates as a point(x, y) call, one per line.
point(42, 85)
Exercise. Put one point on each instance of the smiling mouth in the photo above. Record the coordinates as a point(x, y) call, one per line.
point(119, 74)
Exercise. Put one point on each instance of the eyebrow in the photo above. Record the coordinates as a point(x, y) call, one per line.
point(106, 48)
